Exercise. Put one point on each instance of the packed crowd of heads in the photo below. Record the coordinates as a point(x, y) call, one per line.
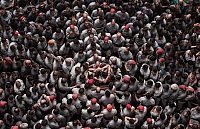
point(88, 64)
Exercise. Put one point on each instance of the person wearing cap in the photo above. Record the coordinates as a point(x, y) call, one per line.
point(126, 31)
point(52, 46)
point(108, 113)
point(181, 96)
point(115, 123)
point(93, 104)
point(127, 111)
point(190, 98)
point(76, 102)
point(125, 83)
point(131, 67)
point(148, 124)
point(140, 113)
point(3, 107)
point(72, 32)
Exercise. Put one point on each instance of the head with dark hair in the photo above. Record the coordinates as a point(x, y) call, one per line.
point(171, 104)
point(158, 108)
point(28, 93)
point(38, 126)
point(75, 123)
point(118, 77)
point(69, 101)
point(89, 111)
point(148, 95)
point(162, 116)
point(115, 118)
point(93, 119)
point(176, 115)
point(34, 89)
point(132, 121)
point(110, 85)
point(81, 90)
point(56, 111)
point(107, 93)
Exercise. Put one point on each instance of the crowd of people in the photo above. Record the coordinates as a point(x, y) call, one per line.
point(95, 64)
